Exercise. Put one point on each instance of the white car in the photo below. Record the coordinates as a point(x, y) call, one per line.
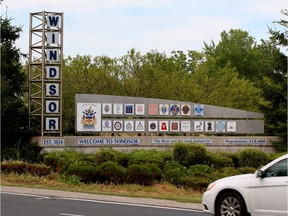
point(261, 193)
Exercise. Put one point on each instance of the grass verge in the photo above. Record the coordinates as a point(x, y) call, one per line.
point(56, 182)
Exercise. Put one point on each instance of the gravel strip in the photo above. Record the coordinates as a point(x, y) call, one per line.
point(107, 198)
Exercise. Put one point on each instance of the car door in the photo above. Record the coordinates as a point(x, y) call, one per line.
point(268, 193)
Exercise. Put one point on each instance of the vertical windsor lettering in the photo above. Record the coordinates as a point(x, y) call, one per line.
point(53, 21)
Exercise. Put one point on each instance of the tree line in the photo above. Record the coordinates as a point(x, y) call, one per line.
point(237, 72)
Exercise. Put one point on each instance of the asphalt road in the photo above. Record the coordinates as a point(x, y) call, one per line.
point(13, 204)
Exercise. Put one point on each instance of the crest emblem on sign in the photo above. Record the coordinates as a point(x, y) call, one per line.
point(163, 109)
point(198, 110)
point(117, 125)
point(88, 120)
point(174, 109)
point(185, 110)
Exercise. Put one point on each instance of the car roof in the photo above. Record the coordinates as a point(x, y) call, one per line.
point(275, 161)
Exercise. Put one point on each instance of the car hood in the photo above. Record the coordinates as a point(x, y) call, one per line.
point(241, 178)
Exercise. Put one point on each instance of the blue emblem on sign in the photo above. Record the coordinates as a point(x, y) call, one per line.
point(175, 109)
point(129, 109)
point(198, 110)
point(163, 109)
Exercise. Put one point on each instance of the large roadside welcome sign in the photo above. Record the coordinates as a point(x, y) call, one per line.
point(45, 72)
point(120, 114)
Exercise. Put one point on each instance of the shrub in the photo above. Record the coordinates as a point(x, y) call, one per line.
point(146, 157)
point(110, 172)
point(139, 174)
point(245, 170)
point(167, 155)
point(123, 159)
point(51, 160)
point(227, 171)
point(60, 161)
point(173, 171)
point(28, 152)
point(189, 154)
point(21, 167)
point(86, 172)
point(18, 167)
point(107, 155)
point(196, 183)
point(197, 169)
point(156, 172)
point(252, 158)
point(219, 160)
point(180, 152)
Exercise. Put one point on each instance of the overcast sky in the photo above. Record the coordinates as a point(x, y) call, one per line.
point(113, 27)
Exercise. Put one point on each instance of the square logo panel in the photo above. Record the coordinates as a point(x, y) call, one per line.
point(106, 125)
point(163, 126)
point(140, 109)
point(185, 110)
point(118, 109)
point(106, 108)
point(128, 126)
point(174, 126)
point(153, 109)
point(163, 109)
point(129, 109)
point(198, 126)
point(117, 125)
point(140, 125)
point(153, 126)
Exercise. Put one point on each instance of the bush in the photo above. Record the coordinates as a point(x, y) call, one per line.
point(180, 152)
point(219, 160)
point(110, 172)
point(146, 157)
point(27, 152)
point(189, 154)
point(173, 171)
point(196, 183)
point(18, 167)
point(51, 160)
point(197, 169)
point(107, 155)
point(252, 158)
point(60, 161)
point(86, 172)
point(139, 174)
point(167, 155)
point(123, 159)
point(245, 170)
point(21, 167)
point(227, 171)
point(156, 172)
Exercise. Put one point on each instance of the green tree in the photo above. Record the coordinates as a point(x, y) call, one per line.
point(274, 86)
point(83, 75)
point(14, 112)
point(144, 75)
point(218, 86)
point(239, 49)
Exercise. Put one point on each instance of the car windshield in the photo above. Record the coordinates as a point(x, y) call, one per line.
point(278, 169)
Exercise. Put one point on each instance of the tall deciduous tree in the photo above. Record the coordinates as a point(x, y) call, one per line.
point(222, 87)
point(238, 48)
point(83, 75)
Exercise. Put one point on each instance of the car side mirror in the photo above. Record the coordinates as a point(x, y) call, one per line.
point(259, 174)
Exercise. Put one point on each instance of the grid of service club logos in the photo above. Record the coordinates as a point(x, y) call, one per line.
point(158, 118)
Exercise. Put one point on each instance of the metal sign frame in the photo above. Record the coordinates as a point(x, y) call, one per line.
point(45, 72)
